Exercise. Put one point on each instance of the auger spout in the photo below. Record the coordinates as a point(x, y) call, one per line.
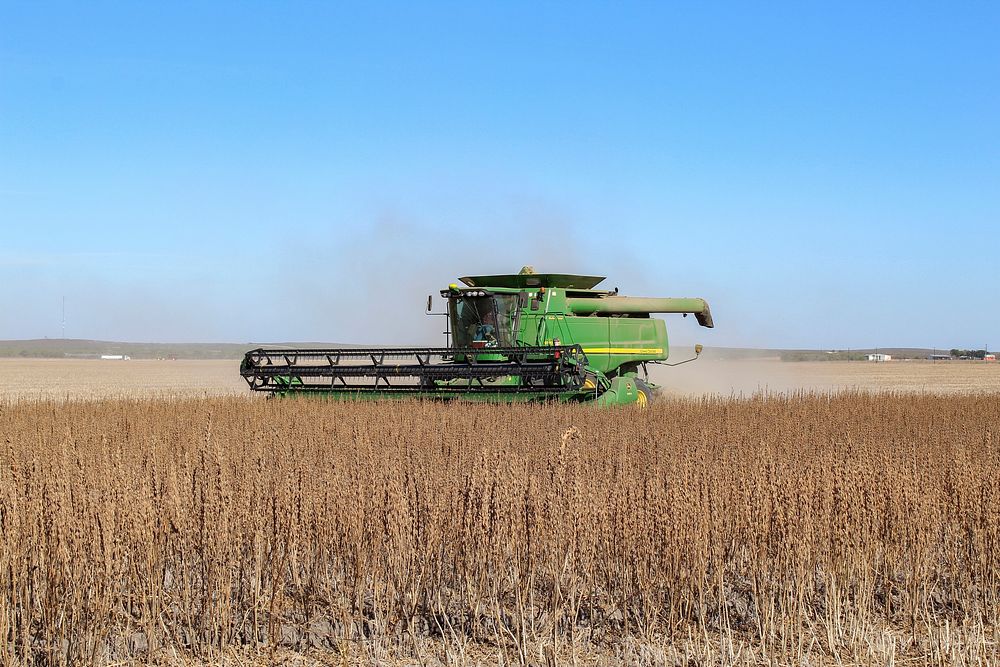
point(637, 305)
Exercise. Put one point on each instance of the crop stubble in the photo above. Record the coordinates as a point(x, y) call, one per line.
point(838, 529)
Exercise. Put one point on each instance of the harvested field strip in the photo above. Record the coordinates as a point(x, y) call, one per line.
point(846, 528)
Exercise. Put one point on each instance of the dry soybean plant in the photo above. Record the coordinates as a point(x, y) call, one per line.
point(848, 528)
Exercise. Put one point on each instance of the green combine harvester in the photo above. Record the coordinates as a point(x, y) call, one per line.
point(517, 337)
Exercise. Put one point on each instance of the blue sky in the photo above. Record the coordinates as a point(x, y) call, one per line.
point(826, 176)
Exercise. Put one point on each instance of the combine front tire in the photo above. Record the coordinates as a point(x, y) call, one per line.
point(644, 394)
point(626, 390)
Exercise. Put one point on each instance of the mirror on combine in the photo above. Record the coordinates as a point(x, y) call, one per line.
point(430, 302)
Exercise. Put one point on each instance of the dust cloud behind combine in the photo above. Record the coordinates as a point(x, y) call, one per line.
point(371, 287)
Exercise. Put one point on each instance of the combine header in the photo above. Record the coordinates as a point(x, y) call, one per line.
point(517, 337)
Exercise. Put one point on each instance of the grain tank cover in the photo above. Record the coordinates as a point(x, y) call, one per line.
point(524, 280)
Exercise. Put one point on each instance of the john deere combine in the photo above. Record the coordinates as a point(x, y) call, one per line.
point(517, 337)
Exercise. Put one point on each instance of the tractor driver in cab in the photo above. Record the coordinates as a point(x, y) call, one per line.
point(476, 320)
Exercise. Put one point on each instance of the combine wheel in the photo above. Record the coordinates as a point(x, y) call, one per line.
point(644, 394)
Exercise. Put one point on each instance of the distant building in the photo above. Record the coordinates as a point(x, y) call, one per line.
point(879, 357)
point(990, 357)
point(939, 357)
point(116, 357)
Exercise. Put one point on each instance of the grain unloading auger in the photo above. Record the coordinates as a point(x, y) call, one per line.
point(515, 337)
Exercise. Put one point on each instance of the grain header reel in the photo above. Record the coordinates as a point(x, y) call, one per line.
point(514, 337)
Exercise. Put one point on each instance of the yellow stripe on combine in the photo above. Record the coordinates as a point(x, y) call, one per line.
point(623, 350)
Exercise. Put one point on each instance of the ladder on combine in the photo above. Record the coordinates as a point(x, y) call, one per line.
point(500, 370)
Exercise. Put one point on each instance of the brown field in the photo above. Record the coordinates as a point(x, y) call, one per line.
point(747, 377)
point(33, 379)
point(848, 529)
point(88, 378)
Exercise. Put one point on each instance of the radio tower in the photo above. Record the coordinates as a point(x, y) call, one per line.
point(64, 319)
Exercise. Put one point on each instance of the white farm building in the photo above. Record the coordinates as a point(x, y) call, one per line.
point(878, 356)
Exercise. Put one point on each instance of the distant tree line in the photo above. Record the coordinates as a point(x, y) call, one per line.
point(968, 354)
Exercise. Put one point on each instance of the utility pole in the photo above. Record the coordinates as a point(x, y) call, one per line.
point(64, 319)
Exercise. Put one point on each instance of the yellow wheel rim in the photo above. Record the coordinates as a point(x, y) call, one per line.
point(641, 400)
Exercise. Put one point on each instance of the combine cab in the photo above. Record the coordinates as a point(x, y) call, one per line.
point(516, 337)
